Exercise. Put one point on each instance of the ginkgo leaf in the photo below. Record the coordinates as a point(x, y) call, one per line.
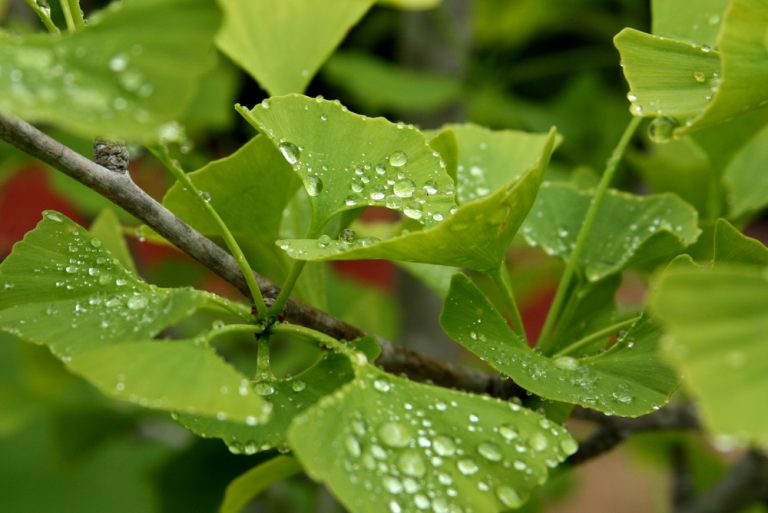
point(476, 236)
point(629, 230)
point(629, 379)
point(128, 74)
point(719, 342)
point(384, 444)
point(347, 161)
point(282, 43)
point(61, 288)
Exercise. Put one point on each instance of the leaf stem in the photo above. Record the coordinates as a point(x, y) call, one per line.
point(544, 341)
point(73, 14)
point(501, 279)
point(609, 330)
point(235, 328)
point(263, 369)
point(287, 287)
point(161, 152)
point(303, 331)
point(44, 13)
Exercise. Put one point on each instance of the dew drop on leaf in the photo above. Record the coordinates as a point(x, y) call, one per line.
point(313, 185)
point(394, 434)
point(404, 189)
point(398, 159)
point(136, 302)
point(490, 451)
point(662, 129)
point(289, 151)
point(411, 464)
point(508, 496)
point(467, 466)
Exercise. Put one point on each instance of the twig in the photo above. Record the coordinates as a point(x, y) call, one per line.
point(744, 484)
point(683, 490)
point(614, 430)
point(121, 190)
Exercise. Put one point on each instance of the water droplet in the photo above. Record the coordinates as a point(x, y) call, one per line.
point(392, 485)
point(394, 507)
point(398, 159)
point(636, 109)
point(411, 464)
point(444, 446)
point(70, 269)
point(508, 432)
point(314, 185)
point(290, 152)
point(297, 385)
point(118, 62)
point(352, 446)
point(136, 302)
point(538, 442)
point(569, 446)
point(350, 201)
point(323, 241)
point(662, 129)
point(394, 434)
point(566, 362)
point(53, 217)
point(264, 388)
point(206, 196)
point(404, 189)
point(421, 501)
point(382, 385)
point(96, 243)
point(413, 211)
point(467, 466)
point(251, 420)
point(430, 187)
point(699, 76)
point(508, 496)
point(490, 451)
point(377, 195)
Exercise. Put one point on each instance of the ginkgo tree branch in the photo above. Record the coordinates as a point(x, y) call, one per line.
point(118, 187)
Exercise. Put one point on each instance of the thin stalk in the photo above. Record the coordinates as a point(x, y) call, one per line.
point(293, 274)
point(237, 309)
point(71, 11)
point(287, 287)
point(596, 336)
point(303, 331)
point(544, 341)
point(258, 300)
point(501, 279)
point(235, 328)
point(44, 13)
point(263, 369)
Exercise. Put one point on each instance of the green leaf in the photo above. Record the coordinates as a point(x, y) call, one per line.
point(347, 161)
point(697, 21)
point(282, 43)
point(746, 178)
point(107, 228)
point(491, 159)
point(249, 189)
point(247, 486)
point(385, 444)
point(731, 246)
point(719, 342)
point(411, 4)
point(377, 85)
point(288, 397)
point(372, 310)
point(127, 74)
point(590, 308)
point(628, 379)
point(629, 230)
point(61, 288)
point(180, 375)
point(699, 86)
point(436, 277)
point(476, 236)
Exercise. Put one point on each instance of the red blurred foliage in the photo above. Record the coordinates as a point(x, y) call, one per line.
point(22, 198)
